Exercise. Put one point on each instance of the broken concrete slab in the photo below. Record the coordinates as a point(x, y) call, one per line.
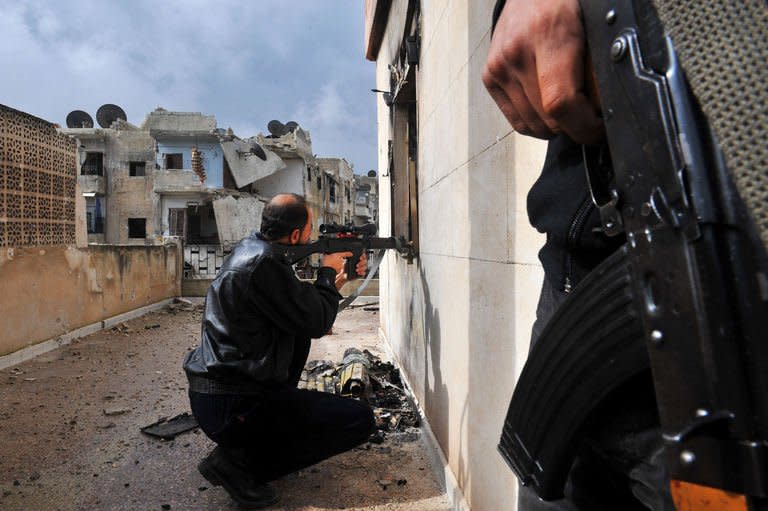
point(236, 218)
point(245, 161)
point(294, 143)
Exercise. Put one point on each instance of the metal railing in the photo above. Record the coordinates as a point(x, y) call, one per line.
point(203, 261)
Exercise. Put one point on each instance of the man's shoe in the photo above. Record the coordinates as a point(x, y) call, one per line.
point(220, 471)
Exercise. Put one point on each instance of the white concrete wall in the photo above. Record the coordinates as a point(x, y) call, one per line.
point(288, 180)
point(459, 318)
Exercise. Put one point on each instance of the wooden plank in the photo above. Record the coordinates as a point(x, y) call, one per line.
point(376, 16)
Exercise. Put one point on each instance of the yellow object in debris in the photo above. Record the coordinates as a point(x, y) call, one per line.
point(353, 379)
point(694, 497)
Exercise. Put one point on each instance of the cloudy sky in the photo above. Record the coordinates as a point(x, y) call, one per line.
point(245, 62)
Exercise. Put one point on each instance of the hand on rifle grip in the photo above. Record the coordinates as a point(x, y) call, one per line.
point(336, 260)
point(535, 70)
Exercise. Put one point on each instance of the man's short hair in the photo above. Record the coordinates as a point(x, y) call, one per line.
point(280, 218)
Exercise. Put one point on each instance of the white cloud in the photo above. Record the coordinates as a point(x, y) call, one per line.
point(244, 62)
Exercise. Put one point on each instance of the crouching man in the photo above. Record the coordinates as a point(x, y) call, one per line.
point(256, 330)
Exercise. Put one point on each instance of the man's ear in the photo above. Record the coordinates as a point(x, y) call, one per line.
point(295, 236)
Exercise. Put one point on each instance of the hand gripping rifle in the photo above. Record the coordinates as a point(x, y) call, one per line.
point(343, 238)
point(683, 305)
point(346, 238)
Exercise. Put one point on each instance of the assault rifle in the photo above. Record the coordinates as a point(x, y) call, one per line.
point(680, 312)
point(343, 238)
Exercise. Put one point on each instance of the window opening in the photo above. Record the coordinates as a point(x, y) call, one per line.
point(137, 168)
point(177, 222)
point(94, 215)
point(93, 164)
point(174, 161)
point(137, 227)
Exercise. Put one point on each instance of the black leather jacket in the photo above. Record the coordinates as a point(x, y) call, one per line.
point(259, 319)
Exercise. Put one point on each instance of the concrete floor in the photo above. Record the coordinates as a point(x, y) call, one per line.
point(70, 419)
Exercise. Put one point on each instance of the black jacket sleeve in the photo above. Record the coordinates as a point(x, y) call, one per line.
point(301, 308)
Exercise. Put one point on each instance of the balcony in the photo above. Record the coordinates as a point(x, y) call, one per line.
point(92, 184)
point(170, 181)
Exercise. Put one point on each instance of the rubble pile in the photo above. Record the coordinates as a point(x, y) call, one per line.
point(182, 304)
point(362, 375)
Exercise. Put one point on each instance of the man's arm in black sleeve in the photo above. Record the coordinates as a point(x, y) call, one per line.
point(298, 307)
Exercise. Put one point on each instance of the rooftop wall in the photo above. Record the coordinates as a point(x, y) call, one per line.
point(49, 292)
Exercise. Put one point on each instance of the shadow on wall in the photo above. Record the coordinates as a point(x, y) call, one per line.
point(491, 206)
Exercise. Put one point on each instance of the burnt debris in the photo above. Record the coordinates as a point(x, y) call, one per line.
point(362, 375)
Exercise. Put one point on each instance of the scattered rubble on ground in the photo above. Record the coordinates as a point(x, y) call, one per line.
point(182, 304)
point(67, 453)
point(363, 375)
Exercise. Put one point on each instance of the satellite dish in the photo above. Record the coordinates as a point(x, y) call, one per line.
point(371, 173)
point(291, 126)
point(107, 114)
point(277, 128)
point(258, 151)
point(79, 119)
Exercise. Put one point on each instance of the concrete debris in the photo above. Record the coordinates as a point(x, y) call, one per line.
point(236, 218)
point(182, 304)
point(116, 410)
point(249, 160)
point(122, 328)
point(407, 436)
point(362, 375)
point(377, 438)
point(297, 142)
point(386, 483)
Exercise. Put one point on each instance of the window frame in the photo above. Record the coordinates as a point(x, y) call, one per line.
point(172, 158)
point(97, 165)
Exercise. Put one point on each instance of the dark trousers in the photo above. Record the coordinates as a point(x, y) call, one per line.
point(617, 468)
point(284, 430)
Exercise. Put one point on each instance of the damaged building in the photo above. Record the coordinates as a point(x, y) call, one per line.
point(339, 177)
point(178, 175)
point(57, 286)
point(327, 183)
point(366, 207)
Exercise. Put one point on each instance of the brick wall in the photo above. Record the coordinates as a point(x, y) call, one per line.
point(38, 173)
